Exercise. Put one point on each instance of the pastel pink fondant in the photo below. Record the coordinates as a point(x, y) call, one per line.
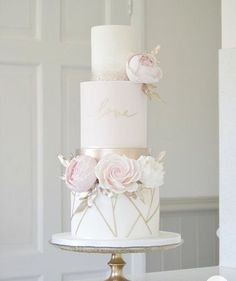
point(113, 114)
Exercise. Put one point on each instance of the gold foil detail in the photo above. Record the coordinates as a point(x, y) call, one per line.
point(85, 211)
point(133, 225)
point(150, 206)
point(140, 213)
point(156, 209)
point(114, 200)
point(73, 205)
point(99, 153)
point(104, 219)
point(105, 109)
point(148, 218)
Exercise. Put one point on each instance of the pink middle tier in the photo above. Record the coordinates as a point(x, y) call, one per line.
point(113, 115)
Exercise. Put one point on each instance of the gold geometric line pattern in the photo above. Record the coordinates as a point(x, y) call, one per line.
point(150, 206)
point(113, 232)
point(73, 205)
point(85, 211)
point(154, 212)
point(113, 202)
point(133, 225)
point(139, 212)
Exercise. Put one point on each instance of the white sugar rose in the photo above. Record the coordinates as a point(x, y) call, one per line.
point(80, 175)
point(118, 174)
point(143, 68)
point(152, 171)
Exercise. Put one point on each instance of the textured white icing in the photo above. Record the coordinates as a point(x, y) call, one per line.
point(120, 218)
point(113, 114)
point(111, 47)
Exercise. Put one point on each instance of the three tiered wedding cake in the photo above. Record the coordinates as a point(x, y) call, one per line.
point(114, 182)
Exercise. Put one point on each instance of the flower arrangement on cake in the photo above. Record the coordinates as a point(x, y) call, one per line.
point(112, 175)
point(144, 68)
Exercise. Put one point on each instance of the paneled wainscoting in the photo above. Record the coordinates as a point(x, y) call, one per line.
point(197, 220)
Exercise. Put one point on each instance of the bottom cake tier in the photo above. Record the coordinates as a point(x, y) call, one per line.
point(122, 216)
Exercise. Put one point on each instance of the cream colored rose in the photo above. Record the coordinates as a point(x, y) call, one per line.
point(143, 68)
point(152, 171)
point(118, 174)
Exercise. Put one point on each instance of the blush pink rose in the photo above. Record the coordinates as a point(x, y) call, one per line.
point(80, 173)
point(143, 68)
point(118, 174)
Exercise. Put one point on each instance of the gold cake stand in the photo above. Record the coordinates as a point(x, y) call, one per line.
point(116, 262)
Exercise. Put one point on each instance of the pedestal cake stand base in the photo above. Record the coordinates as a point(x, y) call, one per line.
point(117, 247)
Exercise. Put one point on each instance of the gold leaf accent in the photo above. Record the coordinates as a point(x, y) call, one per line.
point(161, 156)
point(63, 160)
point(140, 194)
point(156, 50)
point(149, 90)
point(81, 207)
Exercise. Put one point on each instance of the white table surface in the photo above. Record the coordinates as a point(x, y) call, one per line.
point(195, 274)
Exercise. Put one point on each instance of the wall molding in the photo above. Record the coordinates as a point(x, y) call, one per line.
point(189, 204)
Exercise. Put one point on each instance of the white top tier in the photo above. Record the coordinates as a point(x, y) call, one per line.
point(111, 47)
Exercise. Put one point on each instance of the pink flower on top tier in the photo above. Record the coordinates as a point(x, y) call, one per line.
point(143, 68)
point(118, 174)
point(80, 173)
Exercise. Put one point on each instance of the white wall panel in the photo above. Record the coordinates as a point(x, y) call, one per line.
point(186, 124)
point(44, 54)
point(24, 278)
point(120, 11)
point(207, 239)
point(77, 18)
point(18, 18)
point(172, 259)
point(198, 229)
point(71, 78)
point(18, 120)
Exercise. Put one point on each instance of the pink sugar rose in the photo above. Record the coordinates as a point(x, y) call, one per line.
point(143, 68)
point(118, 174)
point(80, 173)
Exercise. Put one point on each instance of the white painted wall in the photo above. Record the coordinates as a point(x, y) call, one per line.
point(186, 125)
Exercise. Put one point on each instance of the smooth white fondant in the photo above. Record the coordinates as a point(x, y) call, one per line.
point(163, 239)
point(118, 218)
point(113, 114)
point(111, 47)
